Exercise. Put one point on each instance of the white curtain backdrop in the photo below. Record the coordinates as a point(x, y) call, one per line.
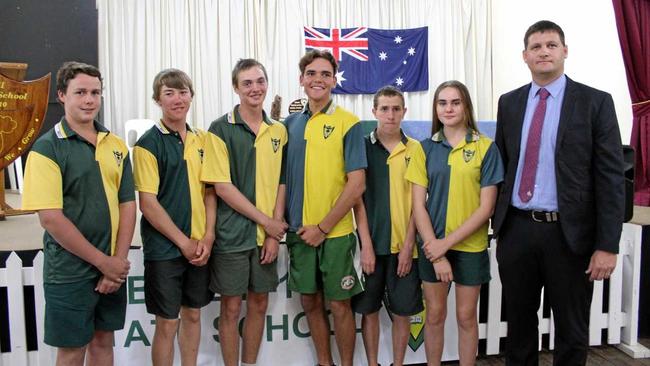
point(139, 38)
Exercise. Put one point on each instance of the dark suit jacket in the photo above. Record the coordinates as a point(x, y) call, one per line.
point(588, 165)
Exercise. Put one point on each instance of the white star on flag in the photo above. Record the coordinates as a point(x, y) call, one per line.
point(398, 39)
point(404, 62)
point(399, 81)
point(383, 55)
point(411, 51)
point(339, 78)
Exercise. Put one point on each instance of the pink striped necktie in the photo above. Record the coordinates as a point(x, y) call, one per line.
point(527, 184)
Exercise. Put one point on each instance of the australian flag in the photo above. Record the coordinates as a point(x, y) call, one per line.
point(371, 58)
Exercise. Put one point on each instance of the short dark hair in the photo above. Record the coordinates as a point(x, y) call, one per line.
point(69, 71)
point(171, 78)
point(310, 56)
point(245, 64)
point(544, 26)
point(387, 91)
point(468, 108)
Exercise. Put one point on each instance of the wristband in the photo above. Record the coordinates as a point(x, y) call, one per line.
point(321, 230)
point(439, 260)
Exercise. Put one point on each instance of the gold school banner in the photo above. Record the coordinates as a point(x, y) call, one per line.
point(286, 335)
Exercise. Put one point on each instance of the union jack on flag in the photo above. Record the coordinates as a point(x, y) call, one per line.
point(370, 58)
point(338, 41)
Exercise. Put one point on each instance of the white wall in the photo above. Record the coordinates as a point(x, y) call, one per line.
point(595, 56)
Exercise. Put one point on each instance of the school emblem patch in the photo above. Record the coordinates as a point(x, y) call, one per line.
point(275, 143)
point(468, 155)
point(416, 336)
point(327, 131)
point(119, 157)
point(347, 282)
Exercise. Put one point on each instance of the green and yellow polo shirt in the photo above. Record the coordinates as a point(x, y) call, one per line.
point(169, 168)
point(88, 183)
point(454, 178)
point(388, 194)
point(253, 164)
point(322, 149)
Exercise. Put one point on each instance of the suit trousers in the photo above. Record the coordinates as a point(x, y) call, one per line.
point(534, 255)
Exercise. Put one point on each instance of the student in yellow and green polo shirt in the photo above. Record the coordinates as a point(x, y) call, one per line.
point(455, 175)
point(387, 231)
point(78, 177)
point(243, 159)
point(178, 218)
point(325, 176)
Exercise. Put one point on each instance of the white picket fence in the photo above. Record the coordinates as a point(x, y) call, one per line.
point(14, 277)
point(15, 171)
point(621, 320)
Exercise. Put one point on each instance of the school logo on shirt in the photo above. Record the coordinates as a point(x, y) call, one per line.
point(468, 155)
point(327, 131)
point(119, 157)
point(200, 155)
point(347, 282)
point(275, 143)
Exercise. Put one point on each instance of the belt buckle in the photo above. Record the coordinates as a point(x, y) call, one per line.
point(546, 216)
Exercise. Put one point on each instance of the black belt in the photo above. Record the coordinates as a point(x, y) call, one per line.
point(537, 216)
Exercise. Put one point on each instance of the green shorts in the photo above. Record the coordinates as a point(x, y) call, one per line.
point(170, 284)
point(469, 269)
point(234, 274)
point(329, 267)
point(402, 295)
point(74, 311)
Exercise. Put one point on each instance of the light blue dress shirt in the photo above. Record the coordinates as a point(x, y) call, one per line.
point(545, 195)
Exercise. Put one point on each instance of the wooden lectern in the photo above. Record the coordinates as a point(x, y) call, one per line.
point(22, 110)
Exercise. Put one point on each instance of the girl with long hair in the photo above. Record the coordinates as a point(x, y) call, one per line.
point(455, 175)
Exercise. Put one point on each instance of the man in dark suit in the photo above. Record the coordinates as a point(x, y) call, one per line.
point(559, 212)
